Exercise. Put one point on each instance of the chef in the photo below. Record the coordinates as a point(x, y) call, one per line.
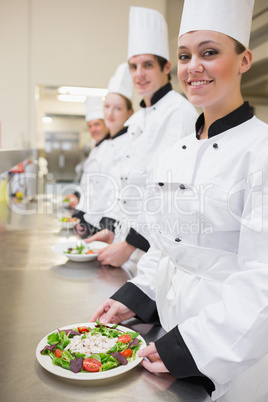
point(205, 278)
point(98, 131)
point(165, 116)
point(101, 179)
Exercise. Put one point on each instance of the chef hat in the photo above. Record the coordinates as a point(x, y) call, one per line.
point(94, 108)
point(121, 81)
point(148, 33)
point(230, 17)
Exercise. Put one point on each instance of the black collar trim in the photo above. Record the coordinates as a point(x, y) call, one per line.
point(158, 94)
point(233, 119)
point(105, 138)
point(120, 132)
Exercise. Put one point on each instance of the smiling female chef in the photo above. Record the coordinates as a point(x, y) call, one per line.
point(165, 116)
point(98, 178)
point(206, 277)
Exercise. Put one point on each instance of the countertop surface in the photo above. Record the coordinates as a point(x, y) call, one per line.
point(41, 291)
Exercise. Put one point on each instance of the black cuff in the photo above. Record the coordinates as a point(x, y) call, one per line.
point(77, 194)
point(137, 240)
point(178, 359)
point(138, 302)
point(108, 223)
point(78, 214)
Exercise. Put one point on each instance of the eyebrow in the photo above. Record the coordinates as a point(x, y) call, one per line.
point(205, 42)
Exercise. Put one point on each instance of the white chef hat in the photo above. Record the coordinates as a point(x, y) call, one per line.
point(148, 33)
point(230, 17)
point(94, 108)
point(121, 82)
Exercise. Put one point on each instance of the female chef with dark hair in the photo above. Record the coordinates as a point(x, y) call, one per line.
point(206, 276)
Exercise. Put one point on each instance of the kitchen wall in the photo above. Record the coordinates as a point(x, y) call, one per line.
point(56, 42)
point(80, 43)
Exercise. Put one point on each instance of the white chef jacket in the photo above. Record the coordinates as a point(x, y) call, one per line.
point(88, 179)
point(207, 271)
point(151, 130)
point(103, 199)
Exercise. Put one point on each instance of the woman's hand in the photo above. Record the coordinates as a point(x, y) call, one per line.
point(115, 254)
point(111, 311)
point(153, 363)
point(104, 235)
point(81, 230)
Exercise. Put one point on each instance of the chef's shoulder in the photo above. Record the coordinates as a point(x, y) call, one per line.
point(180, 102)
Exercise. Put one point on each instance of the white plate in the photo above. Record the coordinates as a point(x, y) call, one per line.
point(46, 361)
point(67, 225)
point(96, 245)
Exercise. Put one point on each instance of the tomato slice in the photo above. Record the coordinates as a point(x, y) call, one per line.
point(124, 338)
point(90, 252)
point(126, 353)
point(58, 353)
point(91, 365)
point(83, 329)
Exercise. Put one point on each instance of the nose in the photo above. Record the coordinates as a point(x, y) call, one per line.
point(195, 66)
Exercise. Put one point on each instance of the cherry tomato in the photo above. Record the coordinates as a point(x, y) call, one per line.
point(126, 353)
point(83, 329)
point(91, 365)
point(124, 338)
point(58, 353)
point(90, 252)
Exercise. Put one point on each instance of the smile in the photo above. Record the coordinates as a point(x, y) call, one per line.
point(197, 83)
point(143, 83)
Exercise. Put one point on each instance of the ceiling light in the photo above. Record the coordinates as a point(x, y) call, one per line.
point(72, 98)
point(82, 91)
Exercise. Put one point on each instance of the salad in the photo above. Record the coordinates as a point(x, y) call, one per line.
point(68, 219)
point(85, 349)
point(80, 249)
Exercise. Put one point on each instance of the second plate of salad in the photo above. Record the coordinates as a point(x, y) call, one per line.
point(90, 351)
point(80, 250)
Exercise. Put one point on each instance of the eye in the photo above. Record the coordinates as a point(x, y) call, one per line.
point(132, 67)
point(148, 64)
point(183, 56)
point(210, 52)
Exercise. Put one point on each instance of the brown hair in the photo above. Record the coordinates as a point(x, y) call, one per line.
point(162, 62)
point(128, 102)
point(239, 48)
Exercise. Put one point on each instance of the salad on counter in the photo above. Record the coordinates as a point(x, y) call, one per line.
point(86, 349)
point(80, 249)
point(68, 219)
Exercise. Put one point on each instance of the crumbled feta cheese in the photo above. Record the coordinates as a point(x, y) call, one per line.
point(90, 344)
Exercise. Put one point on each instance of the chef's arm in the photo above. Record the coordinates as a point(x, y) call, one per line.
point(138, 302)
point(136, 240)
point(178, 359)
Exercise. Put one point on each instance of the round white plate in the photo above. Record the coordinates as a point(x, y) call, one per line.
point(67, 225)
point(46, 361)
point(62, 247)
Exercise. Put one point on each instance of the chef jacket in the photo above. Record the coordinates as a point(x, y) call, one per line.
point(151, 130)
point(206, 275)
point(97, 183)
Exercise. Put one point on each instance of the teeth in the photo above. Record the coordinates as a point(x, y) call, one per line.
point(196, 83)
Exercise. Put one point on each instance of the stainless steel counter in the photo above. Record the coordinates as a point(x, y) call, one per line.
point(41, 291)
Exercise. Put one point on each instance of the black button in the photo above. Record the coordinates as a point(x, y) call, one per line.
point(182, 187)
point(184, 147)
point(161, 184)
point(177, 239)
point(127, 156)
point(126, 178)
point(215, 145)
